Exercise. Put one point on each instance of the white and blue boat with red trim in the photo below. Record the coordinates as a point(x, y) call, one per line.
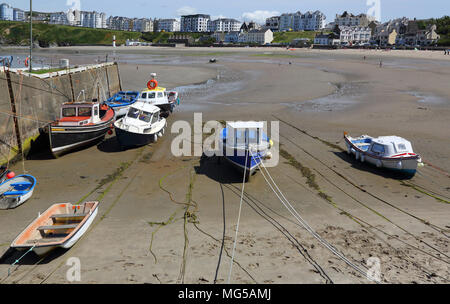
point(390, 152)
point(16, 191)
point(121, 102)
point(245, 145)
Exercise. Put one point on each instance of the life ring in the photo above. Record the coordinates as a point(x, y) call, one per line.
point(152, 84)
point(27, 61)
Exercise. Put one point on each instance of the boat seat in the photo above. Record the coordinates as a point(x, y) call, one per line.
point(14, 193)
point(69, 215)
point(57, 227)
point(22, 184)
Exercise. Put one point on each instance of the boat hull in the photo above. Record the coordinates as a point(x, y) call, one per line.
point(64, 139)
point(133, 139)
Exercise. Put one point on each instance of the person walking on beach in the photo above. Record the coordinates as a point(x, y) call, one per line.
point(381, 63)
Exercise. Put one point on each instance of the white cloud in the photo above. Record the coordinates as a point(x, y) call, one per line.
point(186, 10)
point(259, 16)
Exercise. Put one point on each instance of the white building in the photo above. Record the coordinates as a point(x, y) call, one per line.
point(309, 21)
point(59, 18)
point(326, 39)
point(92, 19)
point(195, 23)
point(168, 25)
point(120, 23)
point(143, 25)
point(6, 12)
point(261, 37)
point(355, 34)
point(18, 15)
point(224, 25)
point(347, 19)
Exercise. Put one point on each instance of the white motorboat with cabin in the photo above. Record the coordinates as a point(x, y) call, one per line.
point(391, 152)
point(142, 125)
point(160, 97)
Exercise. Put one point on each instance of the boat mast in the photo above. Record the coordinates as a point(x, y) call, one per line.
point(31, 33)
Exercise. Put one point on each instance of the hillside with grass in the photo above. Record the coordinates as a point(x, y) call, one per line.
point(18, 33)
point(288, 37)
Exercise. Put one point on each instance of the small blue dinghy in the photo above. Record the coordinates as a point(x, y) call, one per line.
point(245, 146)
point(122, 101)
point(16, 191)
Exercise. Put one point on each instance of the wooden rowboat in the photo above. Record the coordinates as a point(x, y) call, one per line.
point(62, 225)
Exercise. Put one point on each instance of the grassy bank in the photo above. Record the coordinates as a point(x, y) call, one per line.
point(18, 33)
point(287, 37)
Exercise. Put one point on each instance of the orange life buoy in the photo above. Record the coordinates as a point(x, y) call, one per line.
point(27, 61)
point(152, 84)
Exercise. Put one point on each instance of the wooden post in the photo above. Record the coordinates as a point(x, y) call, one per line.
point(13, 110)
point(71, 86)
point(107, 82)
point(118, 75)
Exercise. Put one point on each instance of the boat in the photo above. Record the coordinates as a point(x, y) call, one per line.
point(142, 125)
point(160, 97)
point(245, 146)
point(80, 124)
point(16, 191)
point(60, 226)
point(121, 102)
point(391, 152)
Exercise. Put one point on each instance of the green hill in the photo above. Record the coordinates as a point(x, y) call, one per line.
point(287, 37)
point(18, 33)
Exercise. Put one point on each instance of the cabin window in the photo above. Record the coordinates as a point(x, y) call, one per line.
point(133, 113)
point(95, 111)
point(85, 111)
point(145, 116)
point(401, 147)
point(160, 94)
point(144, 95)
point(155, 117)
point(151, 95)
point(378, 149)
point(69, 112)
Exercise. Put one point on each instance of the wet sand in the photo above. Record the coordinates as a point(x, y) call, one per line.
point(164, 219)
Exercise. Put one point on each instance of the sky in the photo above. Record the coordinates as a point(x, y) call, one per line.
point(256, 10)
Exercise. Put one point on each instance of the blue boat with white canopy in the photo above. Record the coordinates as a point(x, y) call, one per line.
point(121, 102)
point(245, 145)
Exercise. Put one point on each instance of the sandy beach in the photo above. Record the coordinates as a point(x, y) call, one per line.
point(165, 219)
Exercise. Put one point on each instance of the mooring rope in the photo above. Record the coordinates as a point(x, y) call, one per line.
point(239, 216)
point(297, 216)
point(18, 260)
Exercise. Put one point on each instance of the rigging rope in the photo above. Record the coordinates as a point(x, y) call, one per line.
point(239, 216)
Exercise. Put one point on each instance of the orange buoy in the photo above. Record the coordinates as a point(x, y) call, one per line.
point(152, 84)
point(10, 175)
point(27, 61)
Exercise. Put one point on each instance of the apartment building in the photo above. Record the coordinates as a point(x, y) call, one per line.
point(309, 21)
point(224, 25)
point(168, 25)
point(143, 25)
point(355, 34)
point(347, 19)
point(195, 23)
point(273, 23)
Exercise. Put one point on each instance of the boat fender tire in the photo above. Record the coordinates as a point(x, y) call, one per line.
point(362, 158)
point(155, 137)
point(27, 62)
point(400, 165)
point(349, 150)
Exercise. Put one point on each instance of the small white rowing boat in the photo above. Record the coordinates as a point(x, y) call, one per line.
point(62, 225)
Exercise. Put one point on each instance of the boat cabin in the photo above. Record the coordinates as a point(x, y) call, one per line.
point(242, 134)
point(142, 114)
point(158, 95)
point(80, 114)
point(385, 146)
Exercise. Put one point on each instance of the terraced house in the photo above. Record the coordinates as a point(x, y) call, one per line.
point(310, 21)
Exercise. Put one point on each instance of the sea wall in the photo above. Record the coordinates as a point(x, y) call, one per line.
point(29, 101)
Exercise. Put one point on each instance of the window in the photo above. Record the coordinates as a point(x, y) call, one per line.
point(69, 112)
point(144, 95)
point(95, 111)
point(378, 148)
point(85, 111)
point(151, 95)
point(145, 116)
point(160, 94)
point(155, 117)
point(401, 147)
point(133, 113)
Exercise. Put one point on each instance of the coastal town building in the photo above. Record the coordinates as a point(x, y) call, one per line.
point(309, 21)
point(195, 23)
point(273, 23)
point(327, 39)
point(143, 25)
point(355, 34)
point(6, 12)
point(92, 19)
point(347, 19)
point(59, 18)
point(167, 25)
point(120, 23)
point(386, 38)
point(224, 25)
point(18, 14)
